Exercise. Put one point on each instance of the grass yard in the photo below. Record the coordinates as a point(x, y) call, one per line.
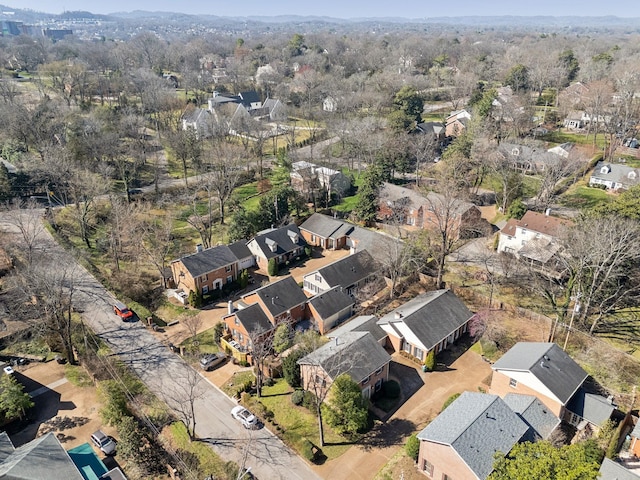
point(560, 136)
point(583, 196)
point(298, 423)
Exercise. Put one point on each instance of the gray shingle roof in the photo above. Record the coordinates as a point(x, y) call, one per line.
point(363, 323)
point(240, 249)
point(594, 408)
point(548, 363)
point(326, 227)
point(42, 458)
point(477, 426)
point(280, 296)
point(616, 173)
point(430, 317)
point(349, 270)
point(355, 353)
point(535, 414)
point(208, 260)
point(282, 237)
point(610, 470)
point(254, 319)
point(330, 302)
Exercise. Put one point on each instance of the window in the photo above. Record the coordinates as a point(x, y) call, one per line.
point(320, 381)
point(229, 279)
point(205, 289)
point(406, 346)
point(427, 467)
point(227, 268)
point(366, 380)
point(318, 277)
point(313, 238)
point(418, 353)
point(379, 371)
point(513, 383)
point(378, 386)
point(236, 321)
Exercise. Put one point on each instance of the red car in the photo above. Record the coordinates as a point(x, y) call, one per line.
point(122, 311)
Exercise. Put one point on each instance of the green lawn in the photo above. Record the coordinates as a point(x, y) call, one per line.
point(299, 423)
point(559, 137)
point(581, 196)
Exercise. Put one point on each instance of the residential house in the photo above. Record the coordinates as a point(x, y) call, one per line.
point(199, 120)
point(547, 372)
point(527, 159)
point(575, 120)
point(462, 441)
point(276, 110)
point(614, 176)
point(430, 321)
point(330, 308)
point(247, 323)
point(243, 254)
point(574, 95)
point(435, 129)
point(250, 100)
point(314, 182)
point(456, 123)
point(563, 150)
point(45, 457)
point(362, 323)
point(281, 301)
point(506, 107)
point(634, 446)
point(535, 239)
point(205, 270)
point(350, 273)
point(612, 470)
point(283, 244)
point(433, 211)
point(533, 412)
point(333, 234)
point(354, 353)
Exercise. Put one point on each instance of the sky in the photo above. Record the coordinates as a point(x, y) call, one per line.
point(344, 8)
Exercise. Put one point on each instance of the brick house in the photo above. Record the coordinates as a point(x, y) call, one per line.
point(281, 301)
point(326, 232)
point(246, 323)
point(330, 308)
point(430, 321)
point(284, 244)
point(350, 273)
point(357, 354)
point(205, 270)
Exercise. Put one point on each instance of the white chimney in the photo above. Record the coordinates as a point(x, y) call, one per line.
point(230, 308)
point(199, 248)
point(397, 315)
point(547, 212)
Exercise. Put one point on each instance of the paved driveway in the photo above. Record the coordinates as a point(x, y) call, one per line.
point(164, 372)
point(465, 372)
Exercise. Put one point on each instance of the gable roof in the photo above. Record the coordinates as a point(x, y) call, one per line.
point(545, 224)
point(332, 301)
point(476, 426)
point(253, 319)
point(610, 470)
point(534, 413)
point(552, 367)
point(240, 249)
point(282, 237)
point(280, 296)
point(194, 115)
point(349, 270)
point(362, 323)
point(326, 227)
point(249, 97)
point(41, 458)
point(355, 353)
point(427, 319)
point(616, 173)
point(596, 409)
point(208, 260)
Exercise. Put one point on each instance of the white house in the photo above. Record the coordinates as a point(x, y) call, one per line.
point(614, 176)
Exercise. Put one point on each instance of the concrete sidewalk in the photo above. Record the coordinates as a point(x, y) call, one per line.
point(364, 461)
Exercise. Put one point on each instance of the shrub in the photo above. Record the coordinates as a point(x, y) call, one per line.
point(307, 251)
point(430, 360)
point(297, 397)
point(309, 401)
point(450, 400)
point(412, 447)
point(391, 389)
point(306, 450)
point(272, 267)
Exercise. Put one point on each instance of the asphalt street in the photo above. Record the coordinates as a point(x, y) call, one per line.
point(165, 374)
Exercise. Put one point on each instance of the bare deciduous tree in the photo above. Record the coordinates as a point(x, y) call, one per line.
point(182, 393)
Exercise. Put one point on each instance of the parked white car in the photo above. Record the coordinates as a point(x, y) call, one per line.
point(103, 442)
point(244, 416)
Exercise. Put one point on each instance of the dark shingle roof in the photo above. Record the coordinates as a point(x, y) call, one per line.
point(254, 319)
point(594, 408)
point(535, 414)
point(477, 426)
point(280, 296)
point(355, 353)
point(208, 260)
point(330, 302)
point(363, 323)
point(610, 470)
point(556, 370)
point(349, 270)
point(428, 318)
point(249, 97)
point(240, 249)
point(41, 458)
point(326, 227)
point(282, 236)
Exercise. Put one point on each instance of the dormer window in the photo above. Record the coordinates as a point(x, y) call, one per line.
point(293, 236)
point(515, 151)
point(271, 244)
point(605, 169)
point(632, 175)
